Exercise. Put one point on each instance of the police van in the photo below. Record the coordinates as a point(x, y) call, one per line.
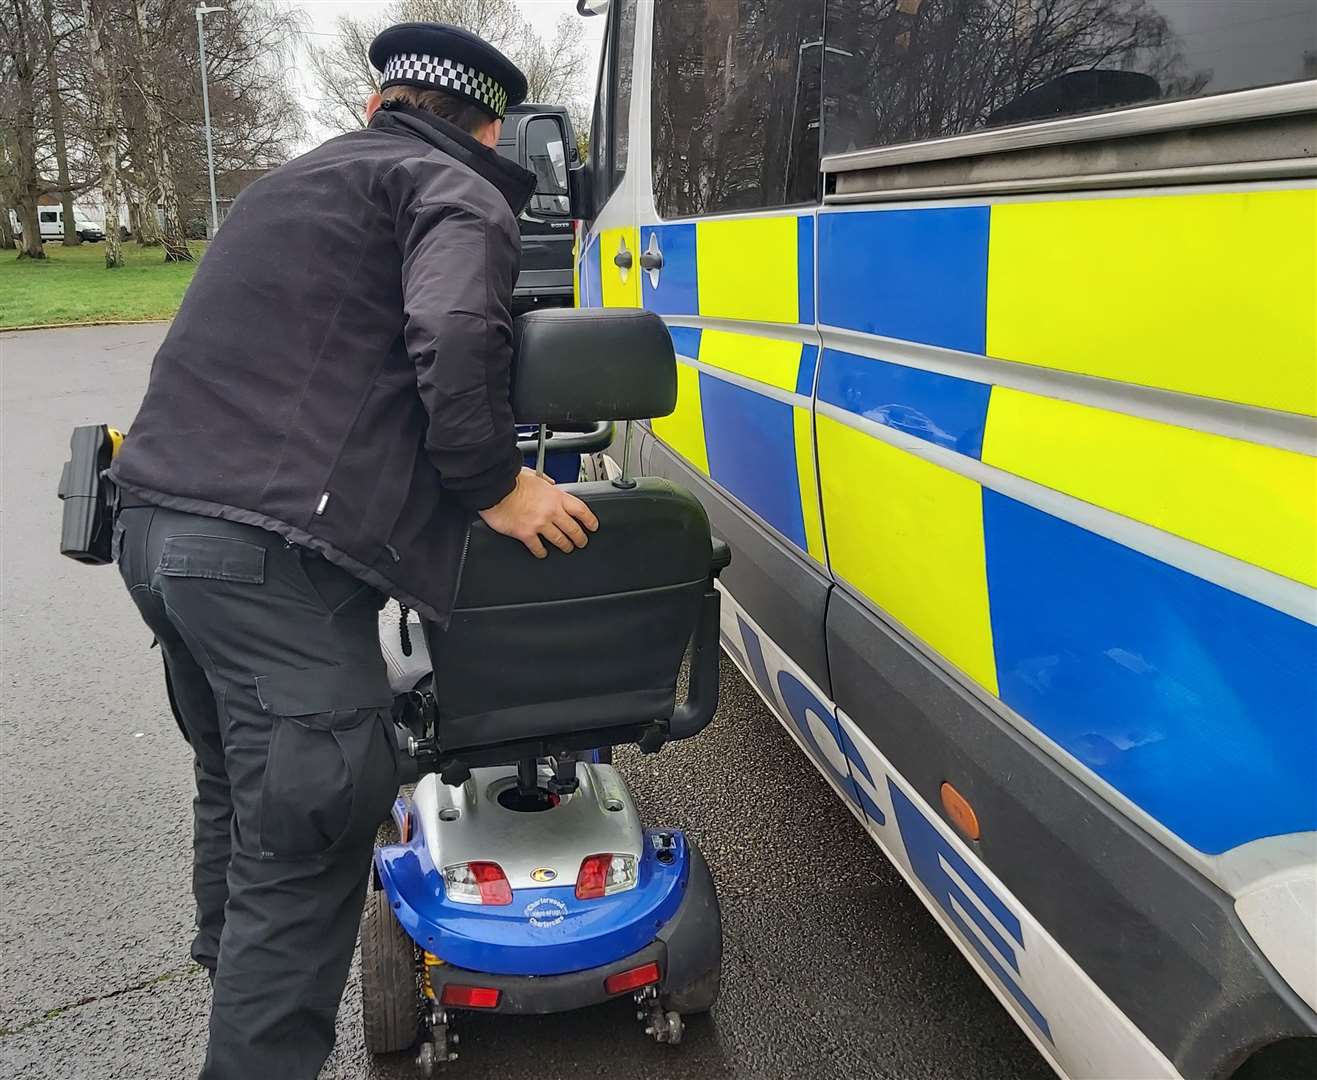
point(997, 336)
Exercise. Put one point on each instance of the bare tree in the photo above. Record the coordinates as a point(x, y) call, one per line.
point(554, 69)
point(21, 118)
point(158, 168)
point(51, 40)
point(105, 91)
point(255, 116)
point(8, 171)
point(8, 197)
point(344, 75)
point(499, 22)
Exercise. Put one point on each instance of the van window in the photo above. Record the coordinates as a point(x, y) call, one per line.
point(626, 47)
point(735, 104)
point(50, 215)
point(600, 143)
point(901, 71)
point(609, 125)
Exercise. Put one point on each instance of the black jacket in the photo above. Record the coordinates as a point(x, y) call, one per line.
point(338, 370)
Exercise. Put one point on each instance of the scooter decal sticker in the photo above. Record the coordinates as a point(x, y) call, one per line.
point(546, 912)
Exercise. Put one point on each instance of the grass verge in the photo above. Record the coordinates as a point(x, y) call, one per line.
point(71, 286)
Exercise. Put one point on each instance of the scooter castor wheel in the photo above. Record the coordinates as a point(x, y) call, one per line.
point(662, 1025)
point(665, 1027)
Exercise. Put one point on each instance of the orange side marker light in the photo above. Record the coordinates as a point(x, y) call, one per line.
point(960, 812)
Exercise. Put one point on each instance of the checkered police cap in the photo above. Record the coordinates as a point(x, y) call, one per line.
point(451, 75)
point(440, 57)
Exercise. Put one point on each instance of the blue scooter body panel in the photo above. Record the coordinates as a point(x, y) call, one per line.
point(544, 931)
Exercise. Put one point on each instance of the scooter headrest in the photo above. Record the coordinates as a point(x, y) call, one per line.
point(578, 365)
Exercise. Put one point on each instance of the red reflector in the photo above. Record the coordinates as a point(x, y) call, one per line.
point(633, 979)
point(471, 997)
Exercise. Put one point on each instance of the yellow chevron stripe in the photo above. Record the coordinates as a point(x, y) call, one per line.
point(767, 360)
point(809, 491)
point(1254, 502)
point(683, 430)
point(1214, 295)
point(909, 535)
point(747, 268)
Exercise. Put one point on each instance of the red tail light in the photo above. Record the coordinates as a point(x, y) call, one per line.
point(633, 979)
point(470, 997)
point(603, 875)
point(477, 883)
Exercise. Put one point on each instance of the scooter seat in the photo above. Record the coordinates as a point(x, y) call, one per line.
point(581, 642)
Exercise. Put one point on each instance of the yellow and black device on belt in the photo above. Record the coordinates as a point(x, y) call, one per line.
point(90, 498)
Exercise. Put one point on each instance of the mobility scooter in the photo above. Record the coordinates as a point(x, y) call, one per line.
point(520, 879)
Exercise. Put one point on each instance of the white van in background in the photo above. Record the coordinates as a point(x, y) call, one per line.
point(52, 224)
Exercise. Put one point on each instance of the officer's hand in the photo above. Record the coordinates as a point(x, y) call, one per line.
point(534, 509)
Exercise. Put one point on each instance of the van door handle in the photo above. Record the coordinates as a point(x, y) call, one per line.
point(651, 260)
point(622, 260)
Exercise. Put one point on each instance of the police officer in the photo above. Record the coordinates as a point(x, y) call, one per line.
point(327, 412)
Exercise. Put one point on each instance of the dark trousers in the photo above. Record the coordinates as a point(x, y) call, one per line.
point(276, 676)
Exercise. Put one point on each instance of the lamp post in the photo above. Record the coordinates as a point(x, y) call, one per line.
point(202, 12)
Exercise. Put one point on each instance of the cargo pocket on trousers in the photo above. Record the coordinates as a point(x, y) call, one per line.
point(331, 770)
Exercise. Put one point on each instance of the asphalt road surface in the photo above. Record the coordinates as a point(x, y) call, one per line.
point(832, 968)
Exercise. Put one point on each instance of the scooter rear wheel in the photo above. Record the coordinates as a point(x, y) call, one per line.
point(389, 991)
point(697, 997)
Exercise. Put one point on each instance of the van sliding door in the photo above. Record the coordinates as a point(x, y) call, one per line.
point(726, 235)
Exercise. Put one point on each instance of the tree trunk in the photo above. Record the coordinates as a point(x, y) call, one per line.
point(6, 231)
point(107, 129)
point(31, 247)
point(134, 213)
point(27, 186)
point(148, 225)
point(159, 169)
point(71, 237)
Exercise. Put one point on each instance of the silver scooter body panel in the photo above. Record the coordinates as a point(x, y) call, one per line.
point(540, 848)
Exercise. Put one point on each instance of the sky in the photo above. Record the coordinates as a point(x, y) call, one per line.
point(541, 14)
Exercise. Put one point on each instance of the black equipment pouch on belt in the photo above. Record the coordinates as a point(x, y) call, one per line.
point(91, 499)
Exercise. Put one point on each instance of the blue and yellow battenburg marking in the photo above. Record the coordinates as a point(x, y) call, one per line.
point(758, 269)
point(1204, 294)
point(1178, 692)
point(759, 447)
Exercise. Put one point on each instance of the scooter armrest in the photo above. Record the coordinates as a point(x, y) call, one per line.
point(693, 715)
point(722, 556)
